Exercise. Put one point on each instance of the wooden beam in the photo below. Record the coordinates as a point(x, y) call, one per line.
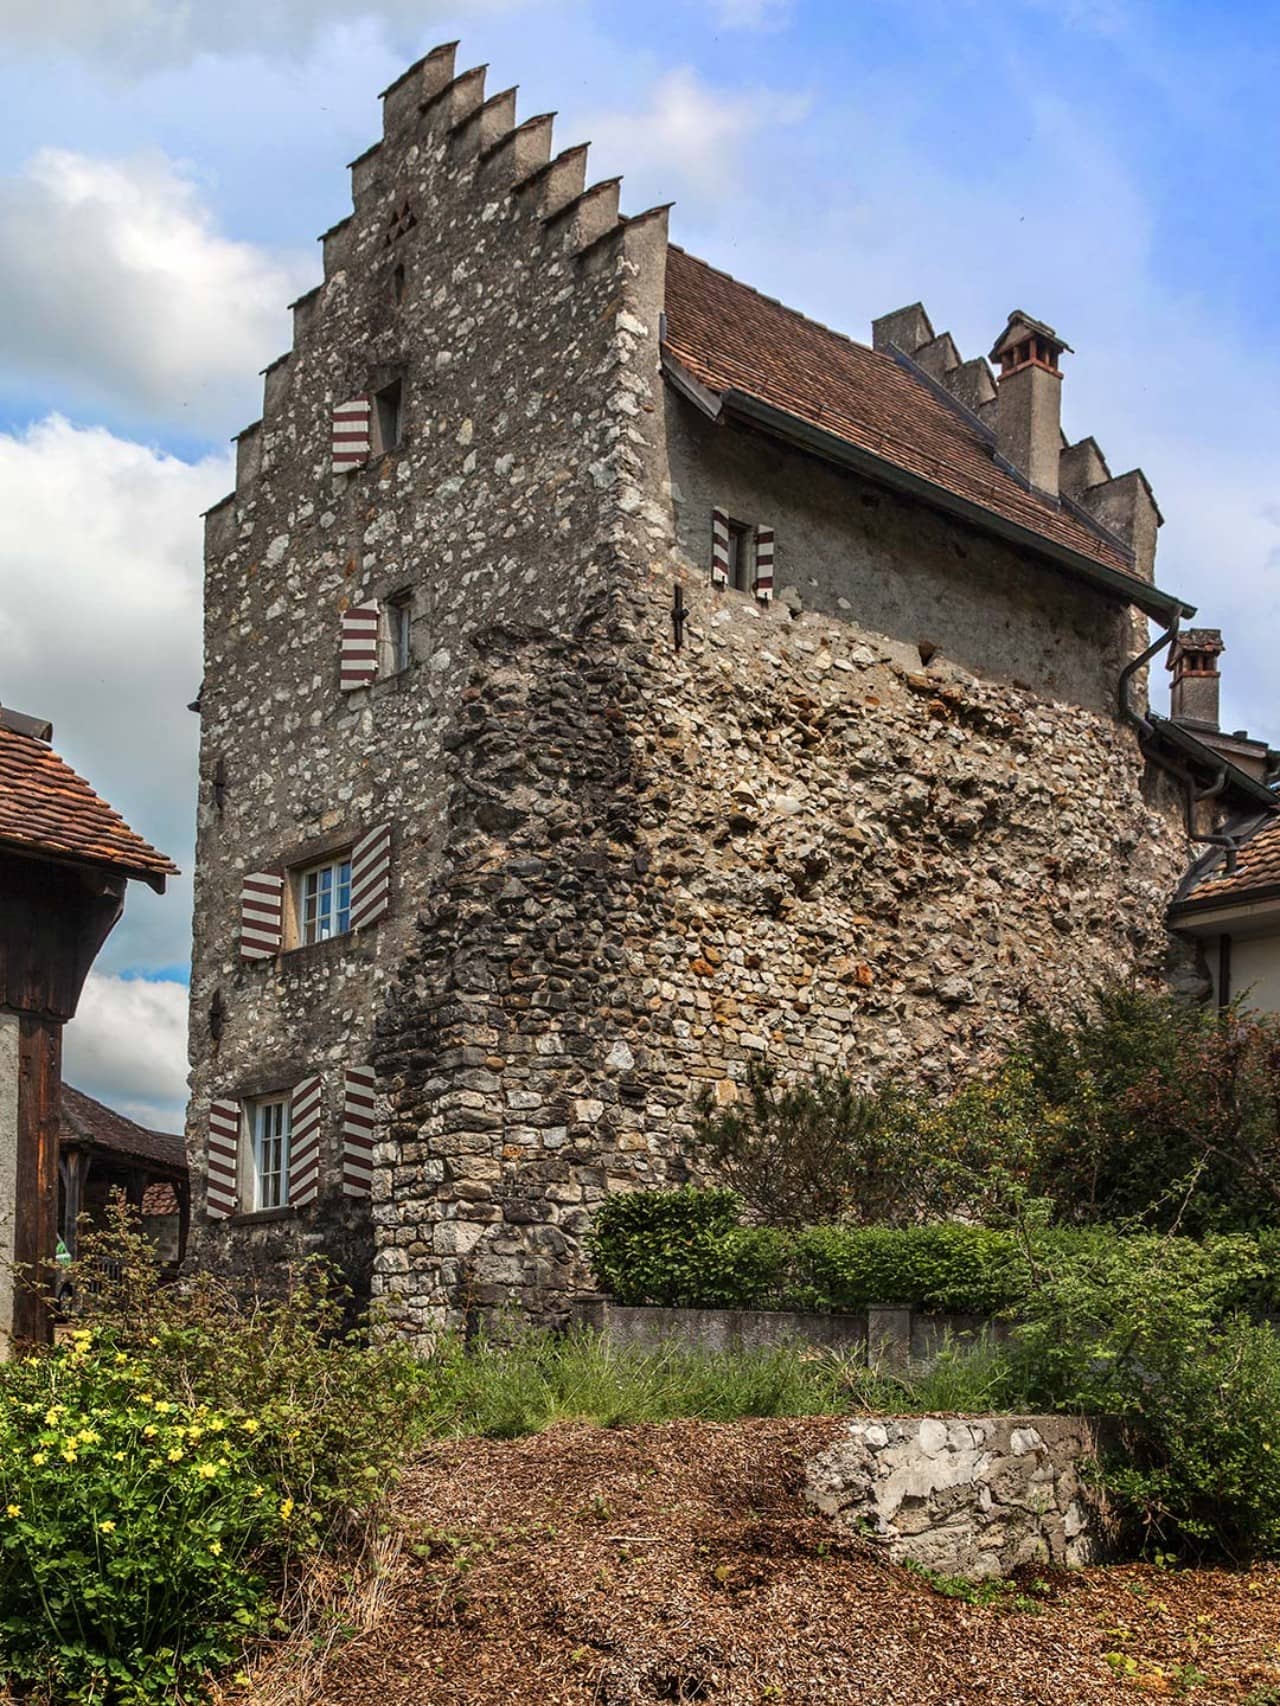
point(35, 1233)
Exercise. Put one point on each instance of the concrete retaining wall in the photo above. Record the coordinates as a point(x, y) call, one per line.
point(892, 1336)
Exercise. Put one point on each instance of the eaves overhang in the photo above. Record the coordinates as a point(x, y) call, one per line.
point(1212, 762)
point(817, 441)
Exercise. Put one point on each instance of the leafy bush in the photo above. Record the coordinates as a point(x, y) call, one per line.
point(798, 1154)
point(133, 1526)
point(947, 1267)
point(685, 1248)
point(1156, 1109)
point(1144, 1330)
point(163, 1473)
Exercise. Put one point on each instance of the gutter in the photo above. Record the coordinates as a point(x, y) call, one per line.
point(741, 405)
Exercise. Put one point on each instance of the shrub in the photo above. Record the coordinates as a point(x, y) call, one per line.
point(169, 1468)
point(133, 1526)
point(947, 1267)
point(802, 1153)
point(1156, 1109)
point(685, 1248)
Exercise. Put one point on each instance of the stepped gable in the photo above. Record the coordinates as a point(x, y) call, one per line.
point(730, 337)
point(46, 808)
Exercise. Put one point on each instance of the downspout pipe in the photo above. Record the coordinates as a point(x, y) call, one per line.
point(1136, 718)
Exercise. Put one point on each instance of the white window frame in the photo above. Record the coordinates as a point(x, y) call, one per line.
point(270, 1121)
point(329, 917)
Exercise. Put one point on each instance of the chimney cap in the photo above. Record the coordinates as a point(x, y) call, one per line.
point(1022, 326)
point(1206, 641)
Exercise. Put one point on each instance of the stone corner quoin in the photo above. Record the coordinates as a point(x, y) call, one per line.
point(593, 873)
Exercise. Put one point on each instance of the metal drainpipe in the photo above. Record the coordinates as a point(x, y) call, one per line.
point(1145, 730)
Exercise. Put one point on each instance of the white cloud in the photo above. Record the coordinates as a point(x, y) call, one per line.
point(100, 575)
point(692, 141)
point(117, 285)
point(127, 1046)
point(146, 33)
point(752, 14)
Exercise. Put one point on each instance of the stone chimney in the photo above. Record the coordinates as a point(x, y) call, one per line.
point(1029, 412)
point(1193, 695)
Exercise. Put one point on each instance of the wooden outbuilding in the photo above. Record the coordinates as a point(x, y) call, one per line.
point(66, 859)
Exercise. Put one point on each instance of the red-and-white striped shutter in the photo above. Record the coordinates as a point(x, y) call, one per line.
point(763, 584)
point(222, 1191)
point(304, 1142)
point(261, 915)
point(359, 646)
point(351, 434)
point(357, 1132)
point(719, 548)
point(370, 876)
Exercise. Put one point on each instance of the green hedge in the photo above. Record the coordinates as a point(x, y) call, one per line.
point(688, 1249)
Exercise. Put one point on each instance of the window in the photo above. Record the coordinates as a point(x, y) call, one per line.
point(387, 417)
point(269, 1131)
point(324, 900)
point(398, 283)
point(739, 555)
point(397, 634)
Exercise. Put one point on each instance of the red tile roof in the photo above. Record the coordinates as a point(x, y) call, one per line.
point(729, 337)
point(1257, 867)
point(87, 1121)
point(45, 807)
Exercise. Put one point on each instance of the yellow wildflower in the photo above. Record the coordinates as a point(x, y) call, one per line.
point(39, 1458)
point(175, 1454)
point(215, 1546)
point(257, 1492)
point(89, 1437)
point(286, 1509)
point(150, 1431)
point(217, 1425)
point(107, 1527)
point(121, 1356)
point(206, 1471)
point(249, 1425)
point(51, 1414)
point(117, 1456)
point(163, 1407)
point(13, 1510)
point(145, 1398)
point(69, 1456)
point(193, 1434)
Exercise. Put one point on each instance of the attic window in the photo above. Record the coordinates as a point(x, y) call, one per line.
point(388, 414)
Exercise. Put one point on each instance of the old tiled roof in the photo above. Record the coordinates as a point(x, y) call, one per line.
point(1257, 868)
point(46, 808)
point(86, 1121)
point(729, 337)
point(159, 1198)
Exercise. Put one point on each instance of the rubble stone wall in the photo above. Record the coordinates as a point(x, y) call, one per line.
point(502, 504)
point(971, 1496)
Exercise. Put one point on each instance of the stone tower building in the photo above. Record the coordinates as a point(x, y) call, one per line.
point(613, 677)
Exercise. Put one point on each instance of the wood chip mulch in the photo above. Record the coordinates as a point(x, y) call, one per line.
point(679, 1563)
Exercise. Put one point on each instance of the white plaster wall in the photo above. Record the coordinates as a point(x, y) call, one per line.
point(9, 1033)
point(1255, 971)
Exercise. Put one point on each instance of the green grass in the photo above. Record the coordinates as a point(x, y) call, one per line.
point(533, 1379)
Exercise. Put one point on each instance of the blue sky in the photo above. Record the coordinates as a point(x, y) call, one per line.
point(165, 168)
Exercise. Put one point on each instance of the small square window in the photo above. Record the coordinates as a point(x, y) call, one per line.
point(269, 1152)
point(396, 650)
point(323, 900)
point(739, 555)
point(388, 417)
